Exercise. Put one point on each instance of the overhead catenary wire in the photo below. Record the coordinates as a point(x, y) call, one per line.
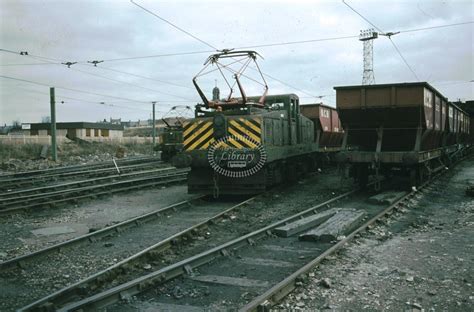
point(130, 84)
point(363, 17)
point(175, 26)
point(241, 47)
point(103, 103)
point(296, 42)
point(214, 47)
point(435, 27)
point(108, 78)
point(388, 36)
point(74, 90)
point(248, 47)
point(145, 77)
point(52, 61)
point(404, 60)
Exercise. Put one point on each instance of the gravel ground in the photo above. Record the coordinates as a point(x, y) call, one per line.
point(419, 259)
point(19, 287)
point(272, 206)
point(17, 238)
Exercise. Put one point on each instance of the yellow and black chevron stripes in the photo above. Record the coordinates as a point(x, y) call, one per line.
point(198, 135)
point(247, 127)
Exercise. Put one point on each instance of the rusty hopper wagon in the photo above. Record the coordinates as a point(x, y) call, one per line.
point(327, 126)
point(405, 128)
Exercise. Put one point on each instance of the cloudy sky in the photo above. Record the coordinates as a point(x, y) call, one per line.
point(56, 31)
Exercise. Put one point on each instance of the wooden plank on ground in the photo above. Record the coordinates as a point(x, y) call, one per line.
point(233, 281)
point(336, 226)
point(304, 224)
point(266, 262)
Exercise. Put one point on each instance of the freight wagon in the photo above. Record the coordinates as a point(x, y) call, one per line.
point(402, 128)
point(327, 126)
point(468, 107)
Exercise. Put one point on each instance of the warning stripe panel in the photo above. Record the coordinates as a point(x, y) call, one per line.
point(201, 141)
point(243, 130)
point(191, 126)
point(208, 143)
point(235, 143)
point(244, 143)
point(204, 126)
point(250, 125)
point(198, 135)
point(256, 122)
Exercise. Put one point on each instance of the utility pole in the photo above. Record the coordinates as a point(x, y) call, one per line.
point(154, 126)
point(367, 37)
point(53, 124)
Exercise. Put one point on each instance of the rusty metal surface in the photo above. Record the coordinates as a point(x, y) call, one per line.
point(402, 110)
point(326, 121)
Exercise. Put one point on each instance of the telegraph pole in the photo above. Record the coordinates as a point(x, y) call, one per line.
point(53, 124)
point(154, 125)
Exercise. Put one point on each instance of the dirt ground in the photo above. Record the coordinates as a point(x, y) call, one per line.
point(419, 259)
point(16, 158)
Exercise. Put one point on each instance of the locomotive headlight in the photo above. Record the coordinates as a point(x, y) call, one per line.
point(220, 126)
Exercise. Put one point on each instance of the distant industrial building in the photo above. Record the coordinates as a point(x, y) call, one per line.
point(82, 130)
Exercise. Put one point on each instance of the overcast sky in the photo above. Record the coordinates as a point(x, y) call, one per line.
point(87, 30)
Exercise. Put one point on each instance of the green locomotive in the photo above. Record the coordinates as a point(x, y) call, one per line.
point(171, 138)
point(247, 149)
point(245, 145)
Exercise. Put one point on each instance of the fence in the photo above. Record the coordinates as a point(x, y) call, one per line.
point(35, 139)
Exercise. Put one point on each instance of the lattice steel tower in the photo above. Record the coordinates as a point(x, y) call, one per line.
point(367, 37)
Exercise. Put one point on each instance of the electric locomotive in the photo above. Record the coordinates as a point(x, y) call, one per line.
point(171, 139)
point(245, 145)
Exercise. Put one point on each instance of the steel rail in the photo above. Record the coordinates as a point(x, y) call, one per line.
point(283, 288)
point(68, 168)
point(142, 283)
point(124, 178)
point(8, 195)
point(63, 295)
point(21, 181)
point(271, 297)
point(94, 236)
point(155, 180)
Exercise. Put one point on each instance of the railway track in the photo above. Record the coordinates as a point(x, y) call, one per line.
point(62, 169)
point(251, 272)
point(217, 230)
point(51, 195)
point(12, 181)
point(166, 225)
point(8, 185)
